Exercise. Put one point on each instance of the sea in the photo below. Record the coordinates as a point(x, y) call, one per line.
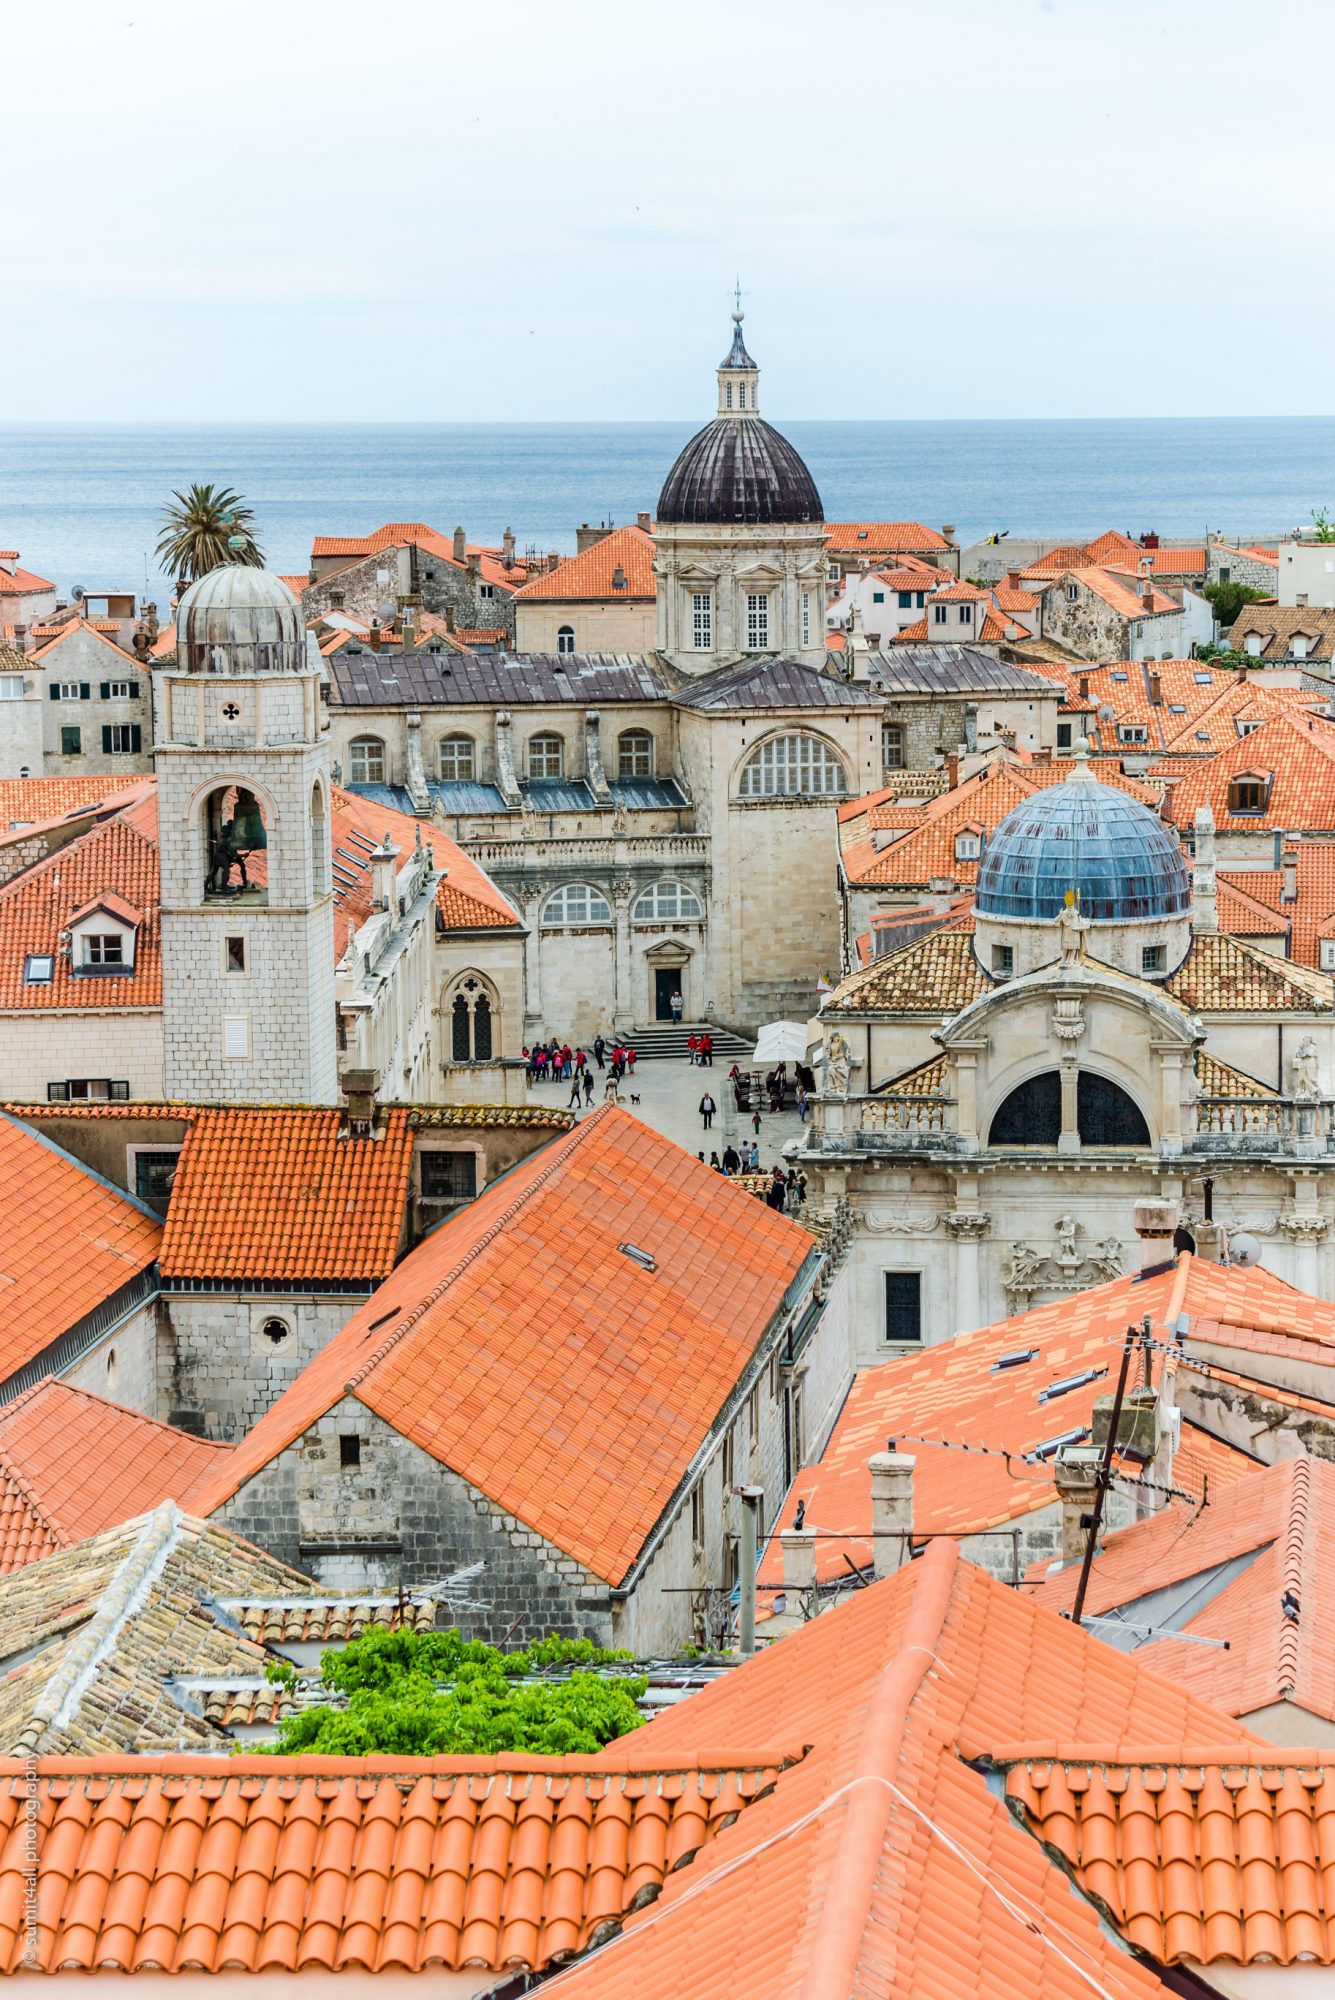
point(81, 502)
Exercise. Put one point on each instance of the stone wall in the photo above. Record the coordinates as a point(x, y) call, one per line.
point(124, 1364)
point(612, 625)
point(39, 1046)
point(88, 660)
point(221, 1366)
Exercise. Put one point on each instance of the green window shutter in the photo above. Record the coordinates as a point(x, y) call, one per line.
point(85, 691)
point(136, 736)
point(106, 691)
point(106, 739)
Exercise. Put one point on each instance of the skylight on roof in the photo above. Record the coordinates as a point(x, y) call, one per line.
point(1015, 1360)
point(1203, 680)
point(1069, 1382)
point(637, 1256)
point(39, 968)
point(1051, 1446)
point(1117, 677)
point(1177, 708)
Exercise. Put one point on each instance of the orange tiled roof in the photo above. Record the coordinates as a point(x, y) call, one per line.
point(1221, 725)
point(937, 976)
point(1223, 974)
point(954, 1392)
point(296, 584)
point(467, 898)
point(35, 909)
point(1308, 919)
point(882, 1863)
point(584, 1428)
point(285, 1193)
point(21, 583)
point(29, 801)
point(101, 630)
point(1197, 1856)
point(892, 537)
point(1121, 591)
point(589, 576)
point(418, 534)
point(69, 1242)
point(299, 1864)
point(1296, 753)
point(1240, 911)
point(73, 1464)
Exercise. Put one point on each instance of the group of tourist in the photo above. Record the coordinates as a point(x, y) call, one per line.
point(700, 1049)
point(785, 1189)
point(562, 1064)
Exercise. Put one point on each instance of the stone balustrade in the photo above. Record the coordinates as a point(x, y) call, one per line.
point(595, 850)
point(1263, 1125)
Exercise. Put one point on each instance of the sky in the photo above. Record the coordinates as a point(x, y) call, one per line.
point(426, 211)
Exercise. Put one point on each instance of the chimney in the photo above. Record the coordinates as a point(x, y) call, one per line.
point(449, 617)
point(384, 874)
point(798, 1547)
point(645, 522)
point(891, 1509)
point(1076, 1476)
point(474, 565)
point(1084, 687)
point(1156, 1226)
point(1156, 689)
point(359, 1088)
point(1204, 902)
point(1289, 891)
point(460, 546)
point(375, 635)
point(952, 770)
point(948, 531)
point(1146, 594)
point(21, 638)
point(508, 546)
point(337, 599)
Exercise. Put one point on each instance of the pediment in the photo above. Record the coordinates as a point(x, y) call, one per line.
point(760, 572)
point(1065, 996)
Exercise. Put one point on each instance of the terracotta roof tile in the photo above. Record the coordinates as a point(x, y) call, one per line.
point(1223, 974)
point(1201, 1857)
point(101, 629)
point(1295, 753)
point(68, 1241)
point(357, 1865)
point(35, 909)
point(1280, 624)
point(29, 801)
point(17, 582)
point(876, 537)
point(589, 576)
point(1308, 919)
point(937, 976)
point(541, 1248)
point(78, 1465)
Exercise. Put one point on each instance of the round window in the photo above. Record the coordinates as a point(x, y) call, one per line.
point(276, 1331)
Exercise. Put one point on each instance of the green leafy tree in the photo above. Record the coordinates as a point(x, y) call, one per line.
point(1227, 599)
point(435, 1694)
point(203, 528)
point(1325, 524)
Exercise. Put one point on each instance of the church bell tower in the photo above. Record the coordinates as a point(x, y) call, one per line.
point(243, 829)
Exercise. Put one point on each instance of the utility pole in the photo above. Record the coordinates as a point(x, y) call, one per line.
point(1105, 1471)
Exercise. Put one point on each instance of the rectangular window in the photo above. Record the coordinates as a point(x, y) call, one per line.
point(104, 948)
point(878, 597)
point(349, 1450)
point(154, 1174)
point(235, 949)
point(1063, 735)
point(486, 590)
point(940, 613)
point(726, 1463)
point(71, 739)
point(11, 687)
point(702, 621)
point(1133, 732)
point(236, 1037)
point(1003, 961)
point(757, 621)
point(1153, 958)
point(806, 618)
point(966, 614)
point(67, 690)
point(906, 600)
point(753, 1418)
point(903, 1305)
point(120, 739)
point(448, 1176)
point(697, 1518)
point(88, 1090)
point(118, 691)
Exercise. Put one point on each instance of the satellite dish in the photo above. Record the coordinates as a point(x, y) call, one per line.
point(78, 593)
point(1107, 712)
point(1243, 1250)
point(385, 612)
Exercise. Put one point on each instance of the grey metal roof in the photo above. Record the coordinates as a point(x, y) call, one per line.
point(466, 795)
point(953, 670)
point(739, 469)
point(776, 683)
point(646, 794)
point(557, 795)
point(434, 680)
point(394, 796)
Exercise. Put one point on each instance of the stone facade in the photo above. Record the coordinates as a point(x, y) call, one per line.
point(1078, 618)
point(96, 708)
point(596, 625)
point(226, 1356)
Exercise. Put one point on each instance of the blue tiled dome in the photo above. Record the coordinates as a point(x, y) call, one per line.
point(1086, 836)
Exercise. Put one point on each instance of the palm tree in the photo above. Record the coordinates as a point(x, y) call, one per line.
point(205, 527)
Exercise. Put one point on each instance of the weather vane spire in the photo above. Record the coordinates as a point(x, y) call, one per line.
point(737, 312)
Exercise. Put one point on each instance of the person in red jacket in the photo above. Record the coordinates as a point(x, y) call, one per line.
point(692, 1048)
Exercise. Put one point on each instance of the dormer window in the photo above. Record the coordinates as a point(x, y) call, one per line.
point(1253, 643)
point(1249, 793)
point(102, 951)
point(102, 938)
point(967, 845)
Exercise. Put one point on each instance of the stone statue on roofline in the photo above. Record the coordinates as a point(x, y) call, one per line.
point(1071, 928)
point(1304, 1072)
point(839, 1060)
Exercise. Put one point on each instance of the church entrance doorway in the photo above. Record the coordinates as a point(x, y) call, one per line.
point(668, 979)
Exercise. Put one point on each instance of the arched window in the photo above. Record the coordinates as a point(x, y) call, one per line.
point(471, 1022)
point(579, 903)
point(635, 754)
point(457, 758)
point(1032, 1115)
point(565, 639)
point(235, 843)
point(788, 766)
point(668, 902)
point(366, 761)
point(892, 746)
point(319, 843)
point(546, 757)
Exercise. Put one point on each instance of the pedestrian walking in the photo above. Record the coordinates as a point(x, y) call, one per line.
point(716, 1163)
point(801, 1104)
point(755, 1127)
point(707, 1051)
point(753, 1164)
point(692, 1049)
point(588, 1086)
point(707, 1110)
point(574, 1092)
point(599, 1050)
point(675, 1004)
point(732, 1159)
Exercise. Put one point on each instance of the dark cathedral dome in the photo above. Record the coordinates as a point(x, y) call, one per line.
point(739, 469)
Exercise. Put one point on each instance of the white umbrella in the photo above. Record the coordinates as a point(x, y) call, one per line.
point(780, 1041)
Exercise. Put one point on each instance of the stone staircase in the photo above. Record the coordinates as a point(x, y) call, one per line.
point(663, 1040)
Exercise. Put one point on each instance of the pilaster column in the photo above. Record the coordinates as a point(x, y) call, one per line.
point(964, 1056)
point(1069, 1140)
point(623, 970)
point(1170, 1097)
point(533, 1021)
